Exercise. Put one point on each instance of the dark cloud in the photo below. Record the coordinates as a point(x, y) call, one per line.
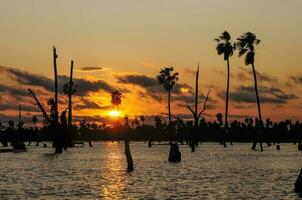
point(246, 94)
point(13, 91)
point(84, 86)
point(247, 74)
point(91, 69)
point(88, 104)
point(154, 90)
point(11, 106)
point(140, 80)
point(25, 78)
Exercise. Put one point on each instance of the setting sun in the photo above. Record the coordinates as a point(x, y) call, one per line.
point(114, 113)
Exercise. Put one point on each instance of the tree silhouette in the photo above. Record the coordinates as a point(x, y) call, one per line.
point(116, 98)
point(246, 46)
point(225, 48)
point(69, 89)
point(167, 79)
point(196, 114)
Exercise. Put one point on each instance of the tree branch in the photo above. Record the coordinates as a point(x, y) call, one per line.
point(204, 105)
point(40, 106)
point(193, 113)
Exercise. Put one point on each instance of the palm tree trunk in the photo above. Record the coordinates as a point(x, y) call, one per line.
point(70, 96)
point(257, 95)
point(258, 105)
point(227, 103)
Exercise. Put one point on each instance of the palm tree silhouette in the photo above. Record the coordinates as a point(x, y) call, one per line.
point(167, 79)
point(246, 46)
point(225, 47)
point(116, 99)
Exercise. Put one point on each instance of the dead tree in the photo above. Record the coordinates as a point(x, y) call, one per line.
point(70, 95)
point(54, 123)
point(196, 114)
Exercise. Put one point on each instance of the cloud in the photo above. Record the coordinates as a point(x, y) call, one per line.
point(12, 106)
point(13, 91)
point(294, 80)
point(153, 89)
point(84, 86)
point(246, 94)
point(88, 104)
point(90, 69)
point(140, 80)
point(247, 74)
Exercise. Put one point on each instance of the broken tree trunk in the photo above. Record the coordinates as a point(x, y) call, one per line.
point(70, 96)
point(58, 142)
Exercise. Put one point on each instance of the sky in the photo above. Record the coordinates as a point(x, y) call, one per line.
point(122, 44)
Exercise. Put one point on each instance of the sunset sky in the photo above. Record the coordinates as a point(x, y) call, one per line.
point(122, 44)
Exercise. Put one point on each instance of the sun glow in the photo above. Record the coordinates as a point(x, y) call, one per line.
point(184, 90)
point(114, 113)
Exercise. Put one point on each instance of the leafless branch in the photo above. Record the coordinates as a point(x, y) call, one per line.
point(204, 105)
point(40, 106)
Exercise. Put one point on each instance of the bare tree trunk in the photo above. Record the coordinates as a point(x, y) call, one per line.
point(258, 105)
point(70, 96)
point(128, 157)
point(195, 142)
point(56, 85)
point(58, 141)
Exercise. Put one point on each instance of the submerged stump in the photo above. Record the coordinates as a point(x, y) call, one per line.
point(128, 157)
point(174, 155)
point(298, 184)
point(299, 147)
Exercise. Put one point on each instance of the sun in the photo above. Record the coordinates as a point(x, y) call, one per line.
point(114, 113)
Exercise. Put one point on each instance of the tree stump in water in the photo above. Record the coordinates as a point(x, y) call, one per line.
point(149, 143)
point(299, 147)
point(278, 147)
point(90, 144)
point(128, 157)
point(298, 184)
point(174, 155)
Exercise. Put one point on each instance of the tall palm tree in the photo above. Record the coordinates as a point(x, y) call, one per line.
point(167, 79)
point(225, 48)
point(246, 46)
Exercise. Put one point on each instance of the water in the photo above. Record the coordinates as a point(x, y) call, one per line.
point(212, 172)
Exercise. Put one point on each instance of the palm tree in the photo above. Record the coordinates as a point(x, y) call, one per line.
point(116, 100)
point(225, 48)
point(246, 46)
point(167, 80)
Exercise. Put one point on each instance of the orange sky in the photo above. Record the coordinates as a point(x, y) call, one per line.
point(138, 37)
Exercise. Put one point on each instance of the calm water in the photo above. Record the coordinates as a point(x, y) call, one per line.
point(212, 172)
